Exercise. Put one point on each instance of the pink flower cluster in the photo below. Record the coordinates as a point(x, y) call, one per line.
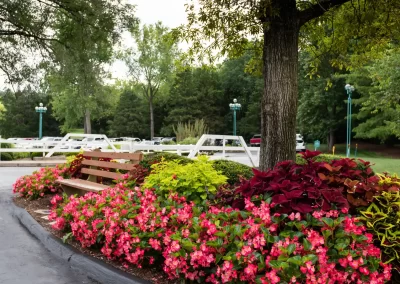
point(39, 183)
point(221, 245)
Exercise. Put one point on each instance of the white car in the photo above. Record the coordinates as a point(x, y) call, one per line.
point(91, 143)
point(47, 142)
point(300, 145)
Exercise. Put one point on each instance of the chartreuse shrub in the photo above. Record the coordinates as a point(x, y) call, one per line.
point(233, 170)
point(220, 245)
point(195, 181)
point(382, 219)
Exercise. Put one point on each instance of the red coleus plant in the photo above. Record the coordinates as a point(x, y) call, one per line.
point(312, 186)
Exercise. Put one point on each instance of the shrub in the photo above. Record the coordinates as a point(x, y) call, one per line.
point(40, 182)
point(196, 181)
point(189, 141)
point(314, 185)
point(221, 245)
point(233, 170)
point(138, 174)
point(382, 220)
point(155, 158)
point(125, 224)
point(170, 142)
point(253, 246)
point(320, 158)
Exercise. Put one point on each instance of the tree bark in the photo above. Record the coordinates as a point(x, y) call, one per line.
point(331, 139)
point(279, 103)
point(151, 118)
point(87, 122)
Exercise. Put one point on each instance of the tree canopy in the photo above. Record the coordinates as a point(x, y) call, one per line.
point(28, 28)
point(341, 27)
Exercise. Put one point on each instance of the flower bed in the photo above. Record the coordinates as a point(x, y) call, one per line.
point(317, 222)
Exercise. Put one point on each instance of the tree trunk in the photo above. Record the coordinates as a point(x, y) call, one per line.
point(151, 118)
point(331, 139)
point(87, 122)
point(279, 103)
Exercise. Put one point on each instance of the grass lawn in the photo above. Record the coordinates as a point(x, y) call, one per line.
point(77, 130)
point(380, 163)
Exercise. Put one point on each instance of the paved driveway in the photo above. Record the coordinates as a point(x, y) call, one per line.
point(23, 260)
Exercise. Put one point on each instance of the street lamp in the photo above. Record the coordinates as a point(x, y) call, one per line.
point(40, 109)
point(235, 106)
point(350, 89)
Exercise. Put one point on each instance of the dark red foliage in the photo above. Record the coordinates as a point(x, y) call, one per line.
point(138, 174)
point(313, 186)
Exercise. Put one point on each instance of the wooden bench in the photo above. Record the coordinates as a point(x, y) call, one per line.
point(81, 186)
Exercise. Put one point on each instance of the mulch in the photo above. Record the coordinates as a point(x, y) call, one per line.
point(150, 274)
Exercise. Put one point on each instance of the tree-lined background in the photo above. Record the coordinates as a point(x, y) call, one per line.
point(59, 52)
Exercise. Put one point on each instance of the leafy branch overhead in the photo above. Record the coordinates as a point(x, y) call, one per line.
point(29, 28)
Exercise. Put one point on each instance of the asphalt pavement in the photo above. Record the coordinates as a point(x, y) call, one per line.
point(23, 260)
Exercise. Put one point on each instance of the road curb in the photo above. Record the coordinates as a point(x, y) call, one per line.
point(93, 268)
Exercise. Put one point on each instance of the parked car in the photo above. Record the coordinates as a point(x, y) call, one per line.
point(157, 140)
point(132, 139)
point(91, 143)
point(255, 141)
point(168, 139)
point(47, 142)
point(300, 145)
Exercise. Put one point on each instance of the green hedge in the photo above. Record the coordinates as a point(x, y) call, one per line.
point(320, 158)
point(233, 170)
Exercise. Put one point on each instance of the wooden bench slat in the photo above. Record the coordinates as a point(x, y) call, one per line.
point(83, 184)
point(111, 165)
point(100, 173)
point(126, 156)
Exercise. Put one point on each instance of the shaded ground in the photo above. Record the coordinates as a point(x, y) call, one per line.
point(23, 260)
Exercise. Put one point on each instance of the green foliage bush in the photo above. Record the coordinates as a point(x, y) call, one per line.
point(382, 219)
point(327, 158)
point(196, 181)
point(11, 156)
point(233, 170)
point(189, 141)
point(156, 157)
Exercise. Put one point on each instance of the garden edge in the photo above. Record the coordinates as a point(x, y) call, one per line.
point(93, 268)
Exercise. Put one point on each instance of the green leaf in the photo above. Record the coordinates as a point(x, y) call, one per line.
point(66, 237)
point(341, 246)
point(328, 221)
point(291, 248)
point(275, 264)
point(296, 260)
point(306, 244)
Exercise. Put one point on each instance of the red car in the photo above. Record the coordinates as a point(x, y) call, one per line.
point(256, 140)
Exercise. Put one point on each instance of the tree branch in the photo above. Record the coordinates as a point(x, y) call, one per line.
point(318, 10)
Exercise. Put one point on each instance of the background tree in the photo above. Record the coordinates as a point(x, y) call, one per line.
point(279, 23)
point(152, 62)
point(379, 85)
point(322, 101)
point(27, 28)
point(76, 80)
point(196, 93)
point(21, 119)
point(131, 116)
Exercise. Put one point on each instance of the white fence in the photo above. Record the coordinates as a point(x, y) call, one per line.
point(205, 144)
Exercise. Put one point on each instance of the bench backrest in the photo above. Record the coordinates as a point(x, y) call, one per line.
point(94, 163)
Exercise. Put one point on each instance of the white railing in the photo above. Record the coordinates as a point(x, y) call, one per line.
point(65, 146)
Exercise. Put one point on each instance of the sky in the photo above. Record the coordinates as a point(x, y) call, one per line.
point(170, 12)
